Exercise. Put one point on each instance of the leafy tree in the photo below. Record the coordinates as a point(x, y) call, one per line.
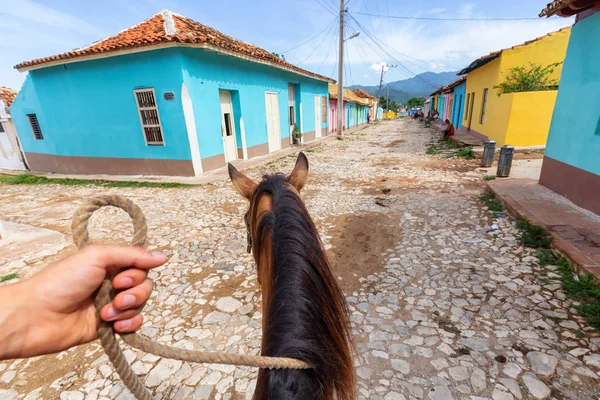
point(528, 78)
point(279, 55)
point(415, 101)
point(394, 106)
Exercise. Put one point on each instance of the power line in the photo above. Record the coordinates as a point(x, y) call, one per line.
point(349, 65)
point(414, 58)
point(312, 38)
point(327, 6)
point(376, 42)
point(333, 38)
point(319, 45)
point(446, 19)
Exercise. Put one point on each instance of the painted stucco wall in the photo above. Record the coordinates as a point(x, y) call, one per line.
point(206, 73)
point(458, 105)
point(530, 117)
point(550, 49)
point(574, 137)
point(89, 108)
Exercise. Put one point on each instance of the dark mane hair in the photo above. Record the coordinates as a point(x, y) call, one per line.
point(307, 316)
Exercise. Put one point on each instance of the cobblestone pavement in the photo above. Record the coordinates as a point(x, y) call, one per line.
point(434, 317)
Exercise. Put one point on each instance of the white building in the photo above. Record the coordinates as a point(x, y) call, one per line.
point(11, 156)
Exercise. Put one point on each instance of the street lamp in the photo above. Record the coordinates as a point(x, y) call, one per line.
point(355, 34)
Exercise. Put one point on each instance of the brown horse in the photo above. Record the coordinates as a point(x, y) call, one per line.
point(305, 314)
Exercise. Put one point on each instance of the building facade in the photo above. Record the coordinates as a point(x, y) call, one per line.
point(169, 96)
point(571, 164)
point(11, 155)
point(519, 119)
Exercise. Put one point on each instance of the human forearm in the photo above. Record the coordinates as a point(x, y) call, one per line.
point(13, 321)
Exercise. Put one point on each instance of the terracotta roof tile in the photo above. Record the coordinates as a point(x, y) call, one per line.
point(7, 95)
point(481, 61)
point(363, 94)
point(166, 27)
point(567, 8)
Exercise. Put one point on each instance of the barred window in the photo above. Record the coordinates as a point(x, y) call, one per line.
point(35, 127)
point(148, 109)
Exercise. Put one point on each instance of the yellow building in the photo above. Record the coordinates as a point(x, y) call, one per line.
point(518, 119)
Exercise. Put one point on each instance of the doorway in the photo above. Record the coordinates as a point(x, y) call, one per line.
point(227, 126)
point(273, 123)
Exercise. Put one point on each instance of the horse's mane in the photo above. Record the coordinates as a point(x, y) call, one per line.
point(308, 314)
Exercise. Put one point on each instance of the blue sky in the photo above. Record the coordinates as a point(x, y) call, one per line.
point(33, 29)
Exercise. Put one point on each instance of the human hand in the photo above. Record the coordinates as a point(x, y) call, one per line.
point(54, 309)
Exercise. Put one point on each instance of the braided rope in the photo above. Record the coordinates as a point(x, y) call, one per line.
point(106, 294)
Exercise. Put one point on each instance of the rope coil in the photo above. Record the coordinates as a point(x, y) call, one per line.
point(106, 294)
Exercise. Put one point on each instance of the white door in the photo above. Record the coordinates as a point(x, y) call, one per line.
point(227, 126)
point(273, 124)
point(317, 116)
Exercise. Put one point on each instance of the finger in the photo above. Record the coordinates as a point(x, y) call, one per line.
point(109, 257)
point(134, 297)
point(129, 325)
point(129, 278)
point(110, 313)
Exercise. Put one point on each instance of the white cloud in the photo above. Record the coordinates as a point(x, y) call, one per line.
point(436, 10)
point(38, 14)
point(377, 66)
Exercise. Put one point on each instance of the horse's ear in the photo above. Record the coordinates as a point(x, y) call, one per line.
point(299, 175)
point(244, 185)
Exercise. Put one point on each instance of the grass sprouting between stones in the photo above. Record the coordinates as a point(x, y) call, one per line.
point(585, 291)
point(489, 199)
point(8, 277)
point(489, 177)
point(533, 236)
point(30, 179)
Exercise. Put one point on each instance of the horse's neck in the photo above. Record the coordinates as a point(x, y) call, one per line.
point(265, 278)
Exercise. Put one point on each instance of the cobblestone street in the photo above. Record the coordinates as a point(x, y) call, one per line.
point(442, 307)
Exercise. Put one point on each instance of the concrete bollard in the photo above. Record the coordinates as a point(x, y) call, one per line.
point(489, 150)
point(505, 161)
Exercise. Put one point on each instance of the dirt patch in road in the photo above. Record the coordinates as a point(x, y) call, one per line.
point(451, 164)
point(359, 241)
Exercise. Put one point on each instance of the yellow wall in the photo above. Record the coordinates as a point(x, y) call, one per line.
point(530, 118)
point(550, 49)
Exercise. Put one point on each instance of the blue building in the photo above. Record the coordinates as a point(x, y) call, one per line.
point(570, 165)
point(459, 87)
point(169, 96)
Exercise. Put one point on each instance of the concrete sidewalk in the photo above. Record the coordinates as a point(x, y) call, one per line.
point(576, 231)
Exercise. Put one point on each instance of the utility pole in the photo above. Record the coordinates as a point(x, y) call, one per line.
point(380, 83)
point(387, 100)
point(341, 111)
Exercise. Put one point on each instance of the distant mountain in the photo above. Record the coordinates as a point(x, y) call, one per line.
point(420, 85)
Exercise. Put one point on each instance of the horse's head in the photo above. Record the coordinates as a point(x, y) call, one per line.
point(262, 203)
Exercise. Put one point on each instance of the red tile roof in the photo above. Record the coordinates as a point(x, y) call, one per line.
point(363, 94)
point(167, 28)
point(567, 8)
point(481, 61)
point(7, 95)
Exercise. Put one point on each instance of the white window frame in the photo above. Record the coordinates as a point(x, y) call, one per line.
point(140, 109)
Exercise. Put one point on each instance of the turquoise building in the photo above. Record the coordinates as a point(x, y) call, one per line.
point(458, 104)
point(169, 96)
point(571, 164)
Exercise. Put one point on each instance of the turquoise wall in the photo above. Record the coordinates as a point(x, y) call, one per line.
point(458, 105)
point(89, 108)
point(574, 136)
